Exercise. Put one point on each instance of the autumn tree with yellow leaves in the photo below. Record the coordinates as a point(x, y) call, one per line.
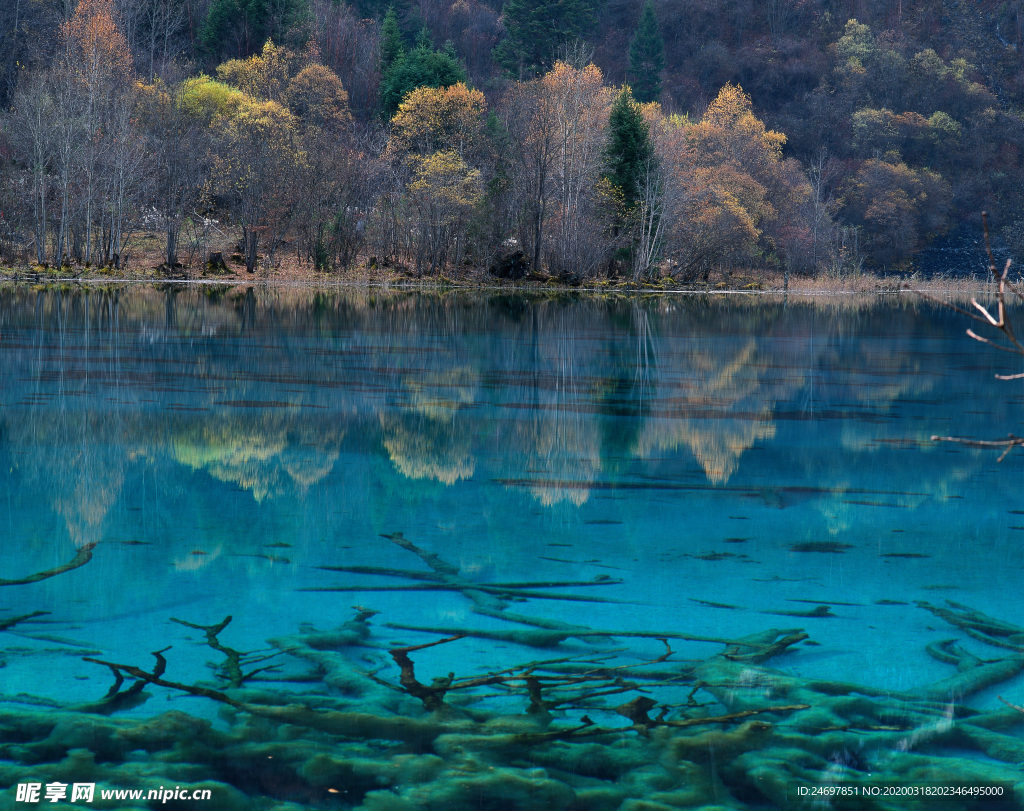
point(444, 192)
point(257, 157)
point(434, 183)
point(432, 119)
point(724, 182)
point(310, 90)
point(287, 161)
point(554, 173)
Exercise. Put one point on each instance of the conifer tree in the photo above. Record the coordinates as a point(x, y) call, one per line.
point(238, 28)
point(391, 47)
point(537, 29)
point(647, 57)
point(423, 66)
point(629, 153)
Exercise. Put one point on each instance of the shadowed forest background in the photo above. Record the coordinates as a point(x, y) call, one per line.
point(579, 139)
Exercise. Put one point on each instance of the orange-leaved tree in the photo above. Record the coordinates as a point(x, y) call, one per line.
point(730, 167)
point(729, 132)
point(96, 69)
point(318, 98)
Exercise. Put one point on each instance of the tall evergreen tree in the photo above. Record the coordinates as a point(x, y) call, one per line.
point(630, 170)
point(537, 29)
point(629, 153)
point(423, 66)
point(391, 47)
point(647, 57)
point(239, 28)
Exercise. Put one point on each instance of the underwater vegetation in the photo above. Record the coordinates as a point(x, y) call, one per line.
point(345, 717)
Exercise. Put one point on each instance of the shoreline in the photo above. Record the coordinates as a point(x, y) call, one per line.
point(865, 284)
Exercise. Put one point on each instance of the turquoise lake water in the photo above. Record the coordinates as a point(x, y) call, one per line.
point(609, 476)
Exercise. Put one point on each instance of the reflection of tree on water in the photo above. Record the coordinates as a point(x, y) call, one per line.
point(82, 476)
point(90, 483)
point(717, 389)
point(554, 394)
point(558, 443)
point(267, 454)
point(431, 378)
point(627, 383)
point(426, 439)
point(88, 386)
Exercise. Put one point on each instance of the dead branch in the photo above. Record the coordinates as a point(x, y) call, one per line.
point(117, 699)
point(1008, 704)
point(1009, 443)
point(432, 696)
point(83, 556)
point(1002, 324)
point(233, 659)
point(10, 622)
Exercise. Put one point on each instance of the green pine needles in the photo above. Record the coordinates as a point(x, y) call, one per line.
point(629, 154)
point(647, 57)
point(537, 29)
point(423, 66)
point(238, 28)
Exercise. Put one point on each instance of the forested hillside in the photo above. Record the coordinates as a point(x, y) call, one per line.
point(579, 138)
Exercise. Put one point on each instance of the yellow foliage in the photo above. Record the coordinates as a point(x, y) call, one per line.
point(317, 97)
point(262, 121)
point(729, 132)
point(264, 75)
point(207, 99)
point(153, 97)
point(446, 186)
point(433, 119)
point(257, 160)
point(721, 177)
point(314, 94)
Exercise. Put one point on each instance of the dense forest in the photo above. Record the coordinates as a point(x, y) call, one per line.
point(578, 138)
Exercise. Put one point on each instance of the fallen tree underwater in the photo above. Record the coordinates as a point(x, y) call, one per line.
point(355, 725)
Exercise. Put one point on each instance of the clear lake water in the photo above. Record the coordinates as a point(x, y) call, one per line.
point(621, 478)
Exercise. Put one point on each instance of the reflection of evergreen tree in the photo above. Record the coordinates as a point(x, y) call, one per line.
point(538, 28)
point(646, 57)
point(626, 393)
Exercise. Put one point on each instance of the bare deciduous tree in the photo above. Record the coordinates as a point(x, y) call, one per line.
point(1002, 324)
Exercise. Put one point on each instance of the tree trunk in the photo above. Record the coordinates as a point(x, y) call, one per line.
point(250, 242)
